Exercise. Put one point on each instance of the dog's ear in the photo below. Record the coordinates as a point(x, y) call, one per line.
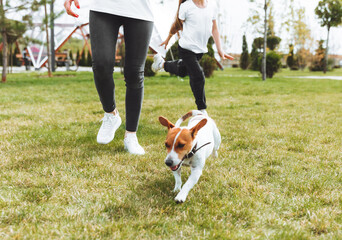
point(166, 122)
point(196, 128)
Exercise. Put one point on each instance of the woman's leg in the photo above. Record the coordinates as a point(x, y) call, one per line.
point(137, 38)
point(196, 75)
point(104, 30)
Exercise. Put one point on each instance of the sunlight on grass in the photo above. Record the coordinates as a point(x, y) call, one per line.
point(278, 175)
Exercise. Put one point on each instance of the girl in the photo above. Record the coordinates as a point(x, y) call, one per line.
point(197, 20)
point(105, 19)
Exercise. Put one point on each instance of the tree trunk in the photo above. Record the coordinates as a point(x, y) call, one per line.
point(326, 53)
point(4, 41)
point(52, 27)
point(47, 41)
point(11, 57)
point(265, 44)
point(4, 56)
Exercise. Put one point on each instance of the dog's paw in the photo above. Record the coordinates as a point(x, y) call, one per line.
point(177, 188)
point(180, 198)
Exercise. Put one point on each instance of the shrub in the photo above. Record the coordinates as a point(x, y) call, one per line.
point(148, 70)
point(255, 55)
point(208, 64)
point(174, 49)
point(273, 42)
point(244, 59)
point(318, 59)
point(273, 63)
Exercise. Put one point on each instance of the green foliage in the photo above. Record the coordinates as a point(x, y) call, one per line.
point(83, 61)
point(273, 42)
point(71, 56)
point(255, 55)
point(273, 63)
point(89, 59)
point(208, 65)
point(244, 59)
point(174, 49)
point(329, 12)
point(78, 57)
point(292, 61)
point(318, 59)
point(148, 69)
point(259, 43)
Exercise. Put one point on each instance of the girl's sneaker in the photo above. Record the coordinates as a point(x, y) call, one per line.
point(110, 123)
point(157, 63)
point(132, 145)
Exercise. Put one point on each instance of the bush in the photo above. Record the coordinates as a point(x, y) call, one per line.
point(244, 59)
point(148, 65)
point(208, 64)
point(273, 63)
point(174, 49)
point(255, 55)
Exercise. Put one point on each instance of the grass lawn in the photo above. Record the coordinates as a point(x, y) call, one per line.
point(278, 175)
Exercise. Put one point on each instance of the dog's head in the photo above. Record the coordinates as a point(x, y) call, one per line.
point(179, 142)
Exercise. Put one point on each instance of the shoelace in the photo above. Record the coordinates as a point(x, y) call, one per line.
point(107, 122)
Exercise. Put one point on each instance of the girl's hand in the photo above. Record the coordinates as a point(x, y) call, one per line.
point(166, 42)
point(67, 6)
point(225, 56)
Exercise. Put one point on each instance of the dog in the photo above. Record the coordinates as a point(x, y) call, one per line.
point(191, 146)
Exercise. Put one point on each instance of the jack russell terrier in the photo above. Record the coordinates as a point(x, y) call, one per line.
point(191, 146)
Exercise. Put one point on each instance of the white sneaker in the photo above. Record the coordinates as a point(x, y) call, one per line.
point(132, 145)
point(157, 63)
point(110, 123)
point(204, 112)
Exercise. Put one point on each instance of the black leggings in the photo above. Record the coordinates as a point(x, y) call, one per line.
point(104, 29)
point(188, 64)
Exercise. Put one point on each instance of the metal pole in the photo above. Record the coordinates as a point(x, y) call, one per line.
point(52, 27)
point(265, 43)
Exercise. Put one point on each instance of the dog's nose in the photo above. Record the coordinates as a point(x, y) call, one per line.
point(168, 162)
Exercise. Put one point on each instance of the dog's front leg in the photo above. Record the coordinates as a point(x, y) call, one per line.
point(196, 172)
point(178, 180)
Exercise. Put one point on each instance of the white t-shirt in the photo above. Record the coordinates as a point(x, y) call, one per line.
point(138, 9)
point(197, 27)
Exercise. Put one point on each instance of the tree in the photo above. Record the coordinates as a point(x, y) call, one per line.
point(266, 5)
point(291, 60)
point(19, 7)
point(318, 60)
point(255, 55)
point(330, 14)
point(244, 60)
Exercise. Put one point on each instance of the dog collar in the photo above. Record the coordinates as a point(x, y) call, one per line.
point(194, 150)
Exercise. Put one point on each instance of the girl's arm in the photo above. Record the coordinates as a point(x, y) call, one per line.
point(216, 36)
point(166, 42)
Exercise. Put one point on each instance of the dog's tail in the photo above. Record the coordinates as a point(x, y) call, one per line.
point(186, 116)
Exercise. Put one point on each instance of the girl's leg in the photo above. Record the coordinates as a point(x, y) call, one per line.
point(137, 38)
point(176, 67)
point(196, 74)
point(104, 30)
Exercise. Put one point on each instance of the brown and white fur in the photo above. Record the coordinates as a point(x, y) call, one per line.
point(201, 130)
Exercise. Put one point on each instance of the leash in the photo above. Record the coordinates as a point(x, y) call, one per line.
point(194, 150)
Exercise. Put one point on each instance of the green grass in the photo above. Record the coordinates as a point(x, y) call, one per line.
point(278, 175)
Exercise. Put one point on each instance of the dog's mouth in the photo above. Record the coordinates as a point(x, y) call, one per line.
point(175, 168)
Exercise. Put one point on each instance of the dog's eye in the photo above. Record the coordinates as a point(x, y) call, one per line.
point(181, 145)
point(167, 145)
